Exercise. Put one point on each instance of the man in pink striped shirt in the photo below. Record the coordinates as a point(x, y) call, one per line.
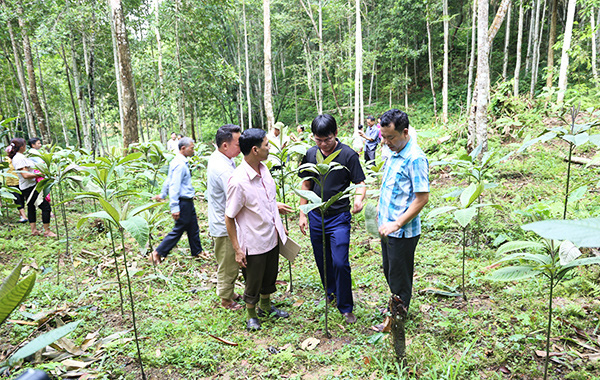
point(251, 204)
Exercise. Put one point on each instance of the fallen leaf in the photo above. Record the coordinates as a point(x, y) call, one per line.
point(74, 364)
point(439, 292)
point(367, 360)
point(18, 322)
point(298, 303)
point(223, 340)
point(158, 353)
point(310, 344)
point(504, 370)
point(341, 327)
point(542, 354)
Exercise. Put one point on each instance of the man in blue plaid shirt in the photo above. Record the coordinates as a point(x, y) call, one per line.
point(404, 193)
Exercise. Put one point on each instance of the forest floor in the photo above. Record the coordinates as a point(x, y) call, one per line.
point(499, 333)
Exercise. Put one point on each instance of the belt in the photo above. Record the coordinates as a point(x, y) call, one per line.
point(186, 199)
point(332, 212)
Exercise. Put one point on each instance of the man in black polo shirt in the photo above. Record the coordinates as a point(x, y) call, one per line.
point(337, 218)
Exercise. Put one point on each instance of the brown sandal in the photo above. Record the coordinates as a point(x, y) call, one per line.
point(233, 306)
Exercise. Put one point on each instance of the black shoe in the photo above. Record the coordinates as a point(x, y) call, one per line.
point(277, 313)
point(253, 324)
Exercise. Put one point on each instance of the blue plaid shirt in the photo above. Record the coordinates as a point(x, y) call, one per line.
point(406, 173)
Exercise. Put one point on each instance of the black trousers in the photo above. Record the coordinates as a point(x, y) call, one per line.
point(370, 154)
point(44, 206)
point(187, 222)
point(19, 201)
point(260, 275)
point(398, 265)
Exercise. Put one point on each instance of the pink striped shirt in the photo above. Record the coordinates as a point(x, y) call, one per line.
point(251, 202)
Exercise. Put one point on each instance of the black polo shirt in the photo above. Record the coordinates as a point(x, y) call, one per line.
point(337, 180)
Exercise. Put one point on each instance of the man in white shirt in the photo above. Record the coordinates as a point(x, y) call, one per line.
point(278, 141)
point(173, 143)
point(219, 169)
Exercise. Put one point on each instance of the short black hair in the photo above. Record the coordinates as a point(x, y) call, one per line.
point(360, 126)
point(399, 118)
point(250, 138)
point(324, 125)
point(32, 141)
point(225, 133)
point(370, 117)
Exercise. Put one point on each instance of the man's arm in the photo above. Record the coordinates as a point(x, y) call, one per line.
point(302, 220)
point(175, 190)
point(413, 210)
point(359, 198)
point(240, 257)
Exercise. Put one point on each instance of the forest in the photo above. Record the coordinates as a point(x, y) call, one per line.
point(503, 96)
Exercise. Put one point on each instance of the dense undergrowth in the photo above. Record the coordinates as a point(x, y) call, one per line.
point(499, 333)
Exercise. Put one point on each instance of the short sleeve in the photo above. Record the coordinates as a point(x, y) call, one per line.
point(420, 175)
point(20, 162)
point(356, 172)
point(235, 198)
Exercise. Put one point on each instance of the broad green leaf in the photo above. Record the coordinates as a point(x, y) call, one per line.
point(584, 261)
point(309, 207)
point(577, 194)
point(100, 215)
point(578, 139)
point(143, 208)
point(439, 210)
point(453, 193)
point(595, 139)
point(331, 157)
point(583, 233)
point(15, 295)
point(470, 194)
point(371, 219)
point(322, 168)
point(110, 210)
point(319, 157)
point(514, 273)
point(464, 217)
point(42, 341)
point(568, 252)
point(538, 258)
point(519, 245)
point(12, 279)
point(138, 228)
point(130, 157)
point(309, 195)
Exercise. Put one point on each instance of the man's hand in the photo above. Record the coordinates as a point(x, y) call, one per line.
point(387, 228)
point(283, 208)
point(157, 198)
point(240, 258)
point(175, 215)
point(362, 134)
point(303, 223)
point(358, 205)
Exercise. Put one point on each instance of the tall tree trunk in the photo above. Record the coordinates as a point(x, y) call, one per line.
point(564, 59)
point(372, 79)
point(117, 75)
point(46, 115)
point(21, 79)
point(247, 66)
point(240, 94)
point(518, 52)
point(75, 116)
point(445, 69)
point(162, 132)
point(87, 143)
point(483, 72)
point(321, 58)
point(405, 85)
point(551, 42)
point(88, 54)
point(33, 93)
point(530, 39)
point(430, 60)
point(181, 100)
point(593, 26)
point(506, 43)
point(268, 69)
point(534, 51)
point(472, 60)
point(358, 70)
point(130, 132)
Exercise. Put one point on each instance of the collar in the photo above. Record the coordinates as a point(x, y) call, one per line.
point(180, 156)
point(250, 171)
point(338, 146)
point(224, 157)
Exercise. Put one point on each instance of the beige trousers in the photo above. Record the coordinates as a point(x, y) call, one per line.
point(228, 269)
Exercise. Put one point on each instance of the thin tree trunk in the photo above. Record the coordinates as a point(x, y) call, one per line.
point(240, 94)
point(33, 93)
point(564, 60)
point(296, 102)
point(321, 58)
point(87, 144)
point(75, 115)
point(506, 43)
point(247, 66)
point(530, 39)
point(117, 74)
point(593, 25)
point(130, 134)
point(44, 100)
point(358, 69)
point(21, 79)
point(483, 68)
point(430, 60)
point(472, 60)
point(181, 100)
point(536, 37)
point(551, 42)
point(88, 53)
point(445, 69)
point(406, 85)
point(518, 52)
point(268, 95)
point(372, 79)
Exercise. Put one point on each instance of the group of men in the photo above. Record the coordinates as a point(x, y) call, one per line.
point(244, 215)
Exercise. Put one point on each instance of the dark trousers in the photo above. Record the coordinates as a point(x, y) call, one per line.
point(44, 206)
point(370, 154)
point(337, 245)
point(260, 275)
point(187, 222)
point(19, 201)
point(398, 265)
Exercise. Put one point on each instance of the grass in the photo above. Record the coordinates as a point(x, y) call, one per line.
point(494, 336)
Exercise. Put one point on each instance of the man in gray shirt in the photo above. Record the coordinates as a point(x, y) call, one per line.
point(219, 169)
